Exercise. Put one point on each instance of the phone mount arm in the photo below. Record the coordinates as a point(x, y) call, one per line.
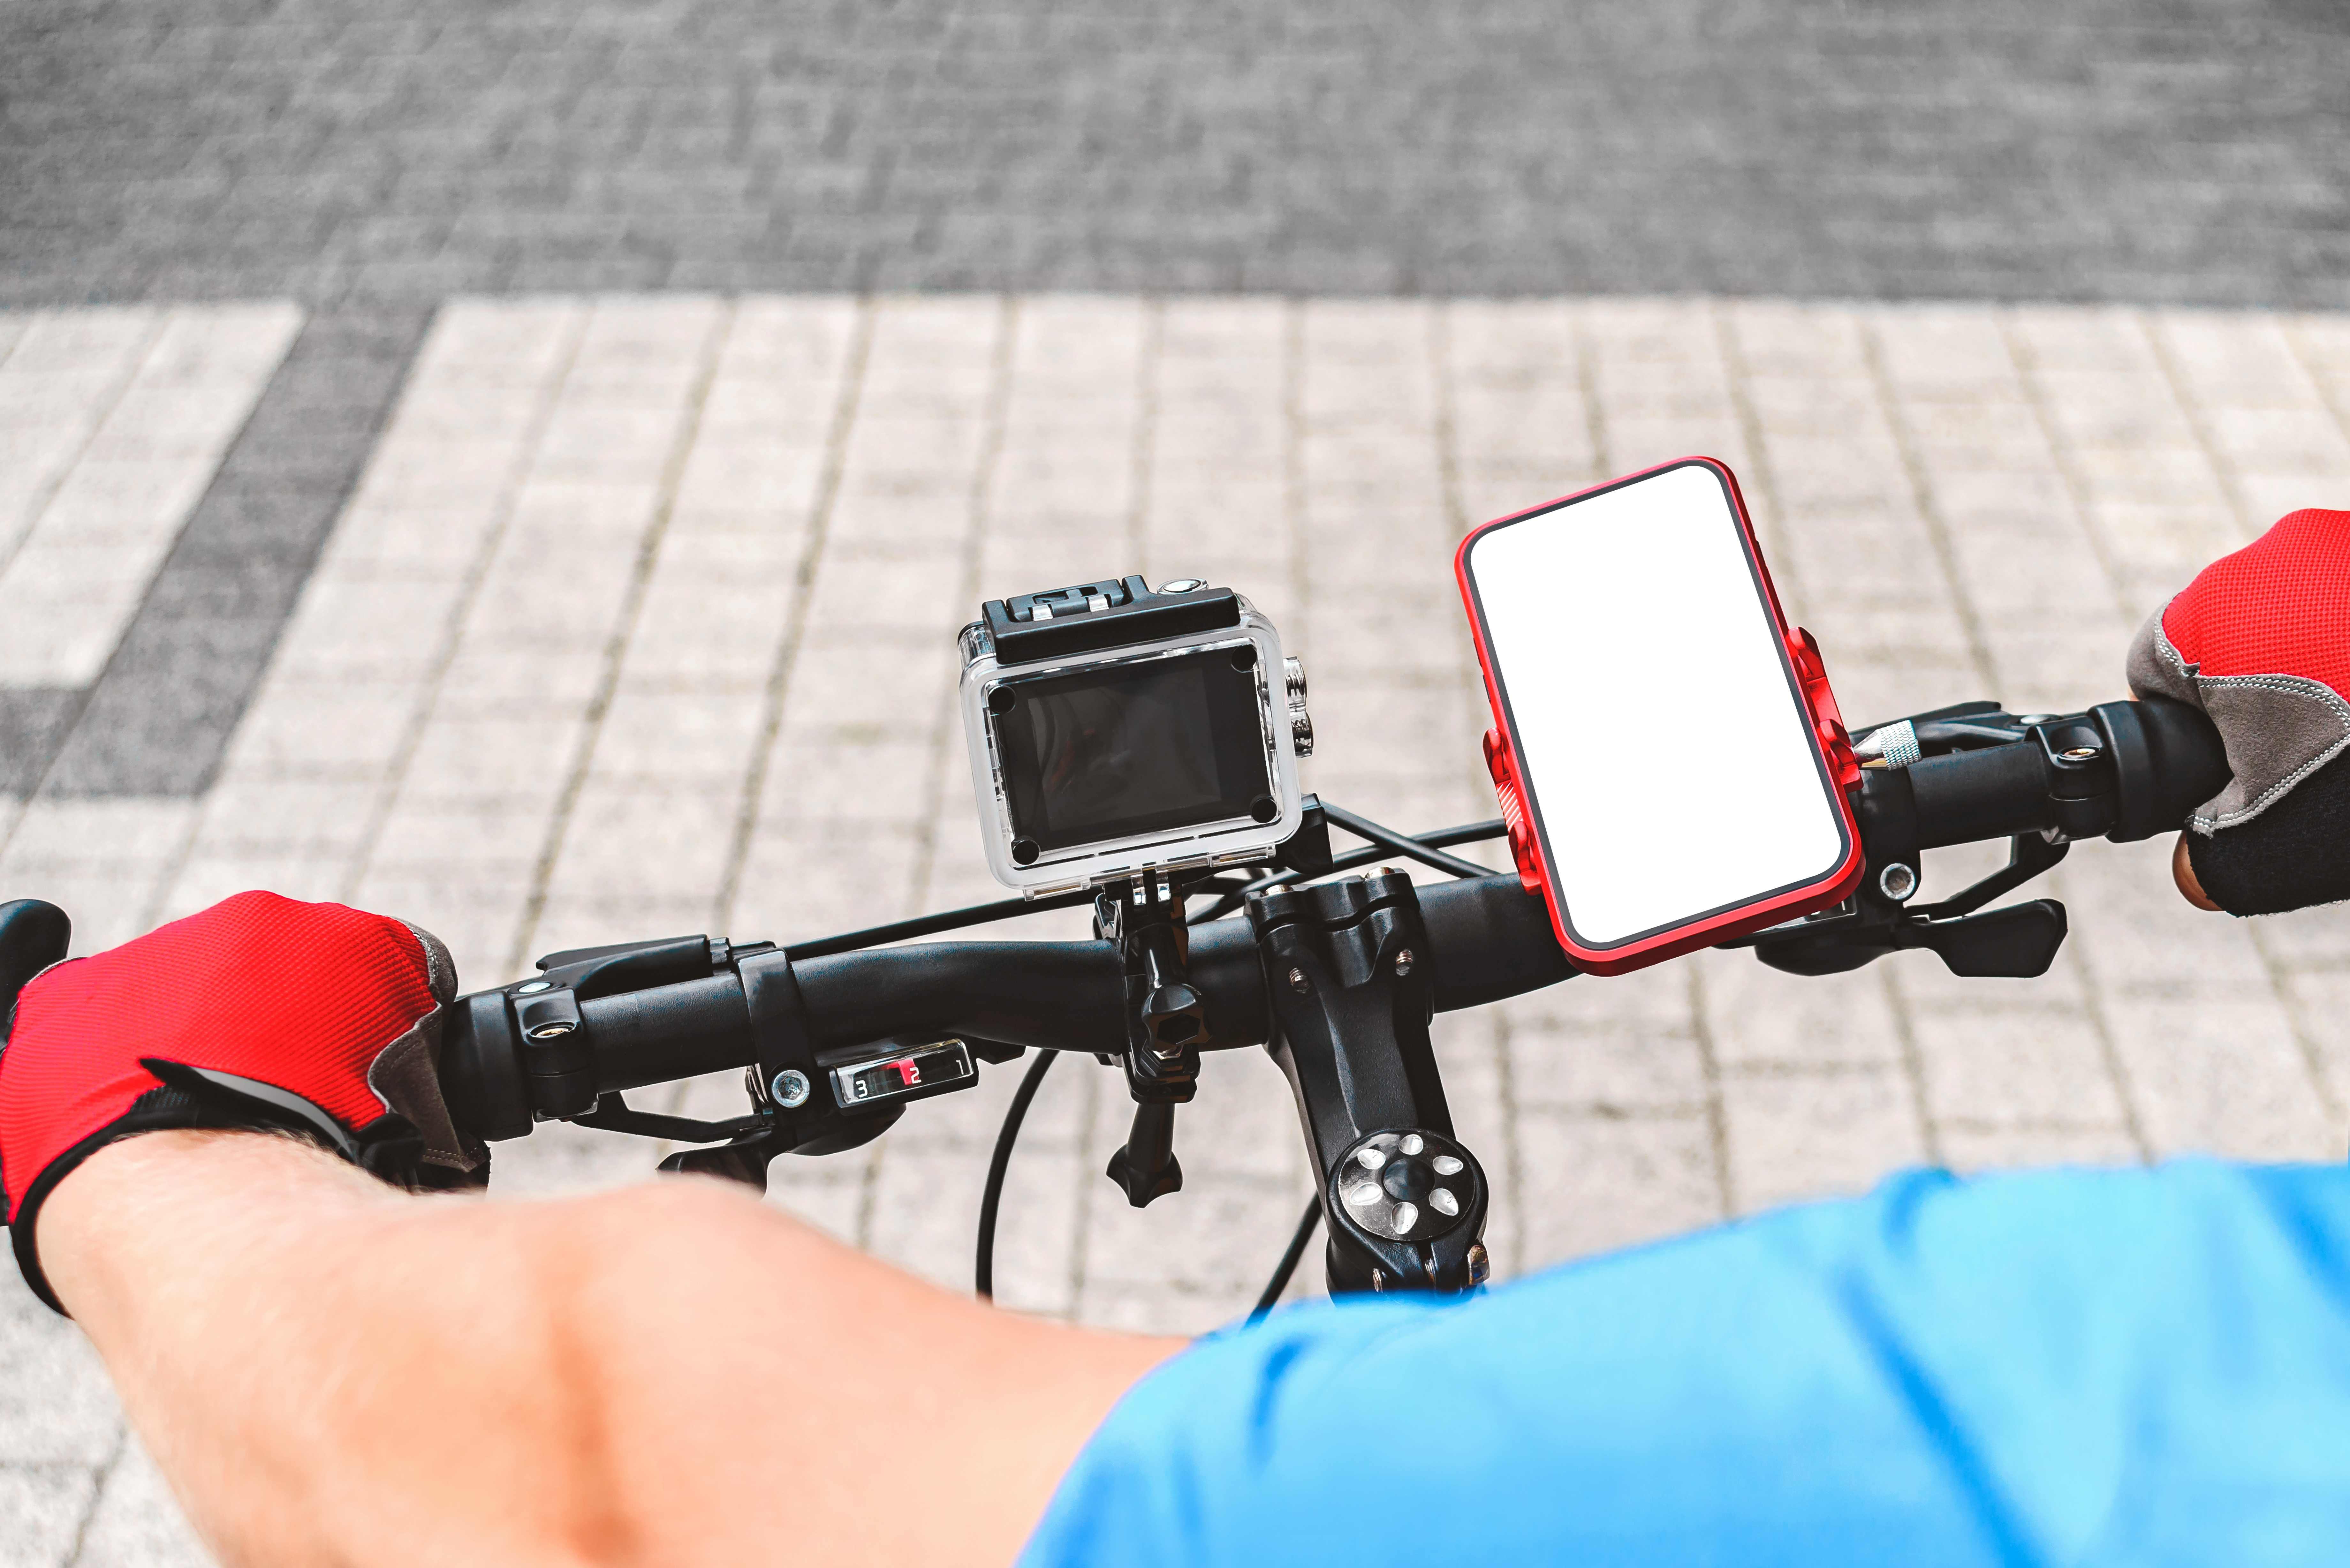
point(1347, 972)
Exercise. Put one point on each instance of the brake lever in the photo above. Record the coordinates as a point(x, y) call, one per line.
point(2028, 856)
point(2017, 942)
point(613, 1114)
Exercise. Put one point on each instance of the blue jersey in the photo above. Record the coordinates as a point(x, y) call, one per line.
point(2128, 1366)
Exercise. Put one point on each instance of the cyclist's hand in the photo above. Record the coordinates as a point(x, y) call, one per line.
point(2260, 641)
point(258, 1012)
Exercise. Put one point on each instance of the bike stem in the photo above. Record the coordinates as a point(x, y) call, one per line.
point(1348, 974)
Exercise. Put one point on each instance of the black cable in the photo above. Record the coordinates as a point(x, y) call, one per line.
point(930, 925)
point(1288, 1264)
point(1362, 827)
point(1468, 833)
point(991, 1198)
point(1385, 841)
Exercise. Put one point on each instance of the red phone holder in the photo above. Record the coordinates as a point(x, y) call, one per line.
point(1840, 769)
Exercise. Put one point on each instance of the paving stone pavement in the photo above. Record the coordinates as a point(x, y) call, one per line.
point(328, 149)
point(637, 620)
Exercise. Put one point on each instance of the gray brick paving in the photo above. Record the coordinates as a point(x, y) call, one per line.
point(325, 150)
point(160, 716)
point(770, 511)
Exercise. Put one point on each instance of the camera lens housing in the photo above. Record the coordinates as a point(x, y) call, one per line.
point(1115, 729)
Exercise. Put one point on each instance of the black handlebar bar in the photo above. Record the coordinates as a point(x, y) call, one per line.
point(2123, 769)
point(1339, 978)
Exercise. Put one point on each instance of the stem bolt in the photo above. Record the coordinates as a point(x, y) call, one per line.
point(790, 1088)
point(1298, 982)
point(1403, 962)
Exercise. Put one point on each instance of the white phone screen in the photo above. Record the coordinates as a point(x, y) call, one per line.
point(1660, 739)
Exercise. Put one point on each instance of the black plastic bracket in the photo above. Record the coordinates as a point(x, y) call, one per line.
point(1166, 1017)
point(1309, 849)
point(1114, 613)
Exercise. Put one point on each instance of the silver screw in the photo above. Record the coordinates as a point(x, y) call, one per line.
point(1297, 981)
point(790, 1088)
point(1301, 733)
point(1380, 1281)
point(533, 987)
point(2078, 754)
point(1481, 1267)
point(1293, 678)
point(1403, 962)
point(1898, 881)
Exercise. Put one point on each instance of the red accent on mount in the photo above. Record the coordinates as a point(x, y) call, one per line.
point(1502, 765)
point(1827, 718)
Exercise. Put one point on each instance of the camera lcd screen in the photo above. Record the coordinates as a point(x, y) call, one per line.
point(1147, 747)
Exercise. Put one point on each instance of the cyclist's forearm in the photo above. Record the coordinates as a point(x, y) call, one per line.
point(321, 1367)
point(330, 1372)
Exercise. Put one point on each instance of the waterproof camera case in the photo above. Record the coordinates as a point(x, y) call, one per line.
point(1671, 763)
point(1116, 728)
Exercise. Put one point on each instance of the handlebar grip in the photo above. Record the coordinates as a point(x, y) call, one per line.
point(33, 936)
point(2163, 759)
point(1967, 796)
point(2169, 759)
point(655, 1036)
point(669, 1032)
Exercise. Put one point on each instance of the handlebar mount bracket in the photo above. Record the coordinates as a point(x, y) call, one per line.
point(1348, 973)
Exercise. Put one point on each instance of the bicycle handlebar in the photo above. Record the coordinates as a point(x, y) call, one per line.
point(2123, 769)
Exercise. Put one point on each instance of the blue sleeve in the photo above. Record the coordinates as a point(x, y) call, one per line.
point(2145, 1367)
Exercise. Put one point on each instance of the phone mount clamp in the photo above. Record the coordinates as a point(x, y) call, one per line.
point(1347, 971)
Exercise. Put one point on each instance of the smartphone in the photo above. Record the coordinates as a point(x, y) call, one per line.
point(1671, 763)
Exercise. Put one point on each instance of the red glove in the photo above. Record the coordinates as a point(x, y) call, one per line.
point(259, 1013)
point(2261, 642)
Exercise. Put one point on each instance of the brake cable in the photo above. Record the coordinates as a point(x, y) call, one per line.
point(991, 1198)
